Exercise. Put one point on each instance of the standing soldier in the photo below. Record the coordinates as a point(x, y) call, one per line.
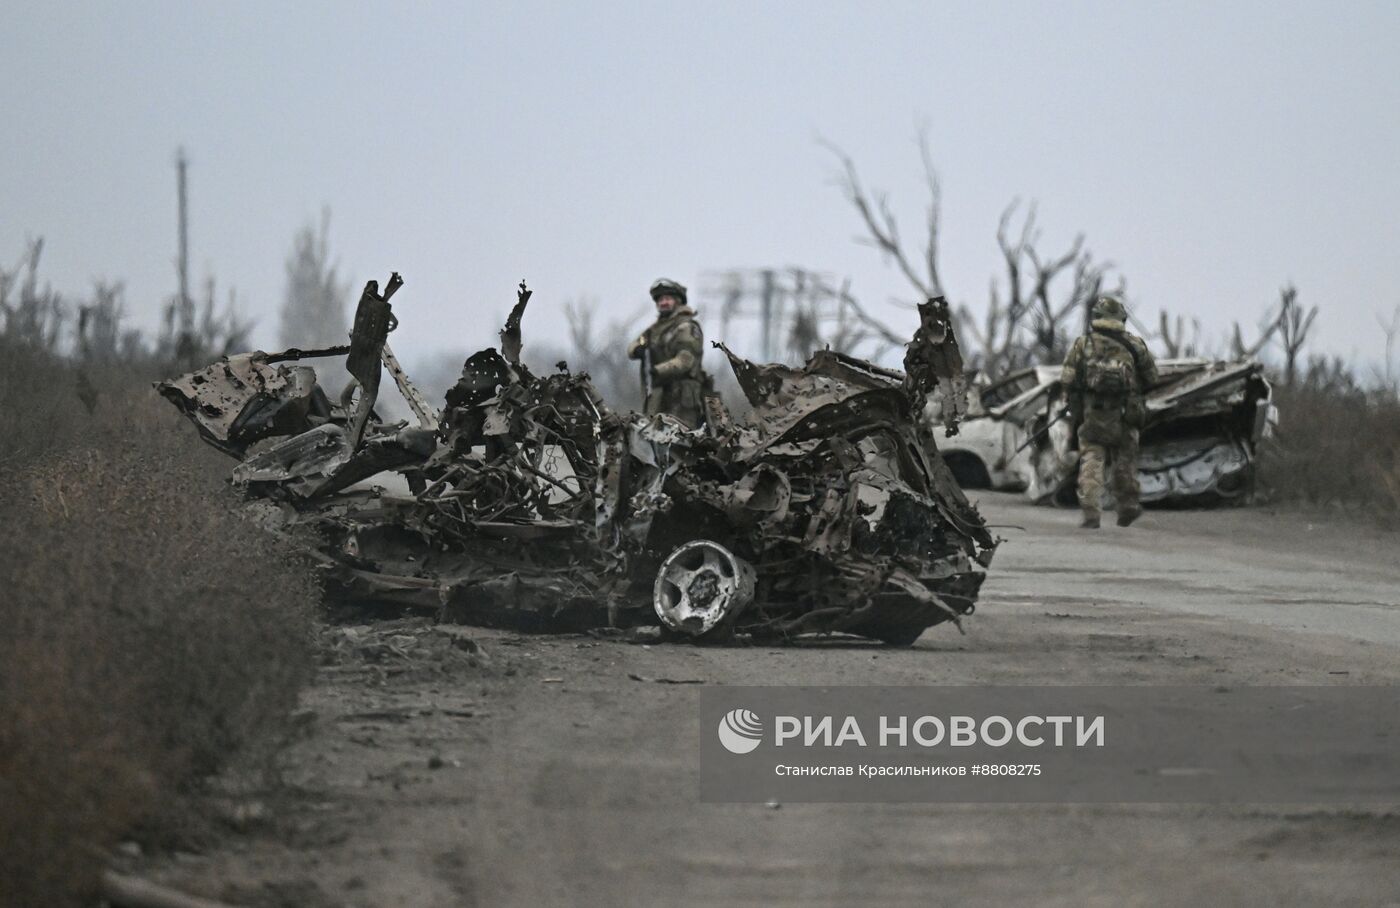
point(1107, 373)
point(670, 351)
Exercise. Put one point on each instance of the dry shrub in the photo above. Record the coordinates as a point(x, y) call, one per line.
point(71, 779)
point(1337, 449)
point(43, 409)
point(39, 406)
point(148, 632)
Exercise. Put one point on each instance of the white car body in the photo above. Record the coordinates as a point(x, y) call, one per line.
point(1205, 420)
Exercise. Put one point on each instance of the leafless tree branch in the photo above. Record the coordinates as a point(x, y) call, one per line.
point(1293, 328)
point(881, 225)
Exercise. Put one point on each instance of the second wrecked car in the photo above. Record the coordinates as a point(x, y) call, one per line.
point(526, 501)
point(1205, 419)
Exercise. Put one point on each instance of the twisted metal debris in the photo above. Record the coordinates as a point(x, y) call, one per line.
point(531, 504)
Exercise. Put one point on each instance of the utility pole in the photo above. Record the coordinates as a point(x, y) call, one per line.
point(183, 263)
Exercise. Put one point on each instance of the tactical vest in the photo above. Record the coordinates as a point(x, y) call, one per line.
point(666, 337)
point(679, 394)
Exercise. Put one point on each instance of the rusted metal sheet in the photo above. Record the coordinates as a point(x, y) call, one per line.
point(527, 501)
point(244, 398)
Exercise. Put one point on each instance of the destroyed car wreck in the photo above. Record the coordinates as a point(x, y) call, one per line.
point(1205, 420)
point(527, 502)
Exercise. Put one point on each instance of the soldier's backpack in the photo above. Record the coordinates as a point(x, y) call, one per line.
point(1109, 369)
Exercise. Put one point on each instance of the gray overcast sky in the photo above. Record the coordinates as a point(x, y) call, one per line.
point(1212, 150)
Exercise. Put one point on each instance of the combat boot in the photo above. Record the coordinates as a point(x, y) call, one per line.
point(1090, 522)
point(1126, 516)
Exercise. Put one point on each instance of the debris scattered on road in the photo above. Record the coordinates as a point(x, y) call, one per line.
point(413, 645)
point(392, 716)
point(125, 891)
point(636, 677)
point(438, 762)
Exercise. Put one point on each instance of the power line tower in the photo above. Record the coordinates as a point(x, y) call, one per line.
point(794, 310)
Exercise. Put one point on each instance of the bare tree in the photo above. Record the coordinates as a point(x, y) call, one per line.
point(598, 348)
point(884, 336)
point(1293, 327)
point(1391, 329)
point(1330, 376)
point(1024, 322)
point(1029, 277)
point(1267, 326)
point(314, 305)
point(1290, 324)
point(99, 334)
point(1029, 304)
point(36, 316)
point(882, 228)
point(1173, 336)
point(222, 332)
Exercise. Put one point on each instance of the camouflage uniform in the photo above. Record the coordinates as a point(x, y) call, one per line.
point(675, 344)
point(1107, 372)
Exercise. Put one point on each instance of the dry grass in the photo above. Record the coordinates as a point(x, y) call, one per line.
point(148, 634)
point(1335, 449)
point(39, 406)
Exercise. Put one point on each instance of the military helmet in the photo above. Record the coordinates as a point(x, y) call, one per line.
point(1110, 307)
point(667, 287)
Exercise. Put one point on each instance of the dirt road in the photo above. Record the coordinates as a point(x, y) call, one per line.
point(563, 772)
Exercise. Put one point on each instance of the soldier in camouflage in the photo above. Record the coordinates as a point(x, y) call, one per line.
point(1106, 374)
point(670, 351)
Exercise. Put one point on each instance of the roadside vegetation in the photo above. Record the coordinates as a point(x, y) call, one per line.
point(149, 635)
point(1337, 449)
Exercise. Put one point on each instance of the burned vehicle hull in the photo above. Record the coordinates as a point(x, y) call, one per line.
point(527, 502)
point(1205, 420)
